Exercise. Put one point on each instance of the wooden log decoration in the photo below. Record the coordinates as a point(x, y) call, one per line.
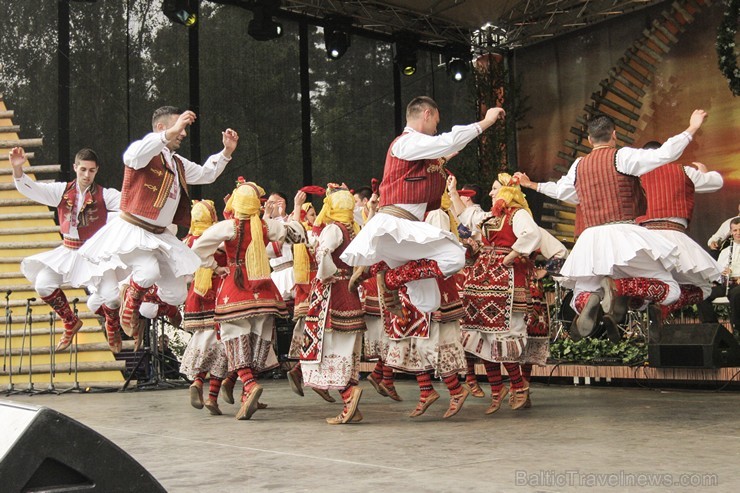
point(634, 57)
point(35, 170)
point(9, 144)
point(609, 86)
point(4, 156)
point(615, 106)
point(560, 206)
point(628, 84)
point(7, 114)
point(624, 64)
point(653, 38)
point(10, 129)
point(664, 31)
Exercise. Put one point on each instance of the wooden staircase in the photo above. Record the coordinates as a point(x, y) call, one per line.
point(620, 97)
point(27, 228)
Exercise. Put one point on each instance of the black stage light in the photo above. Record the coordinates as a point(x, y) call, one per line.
point(336, 36)
point(457, 60)
point(263, 27)
point(180, 12)
point(406, 45)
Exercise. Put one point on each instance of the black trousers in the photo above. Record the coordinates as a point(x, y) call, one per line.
point(706, 308)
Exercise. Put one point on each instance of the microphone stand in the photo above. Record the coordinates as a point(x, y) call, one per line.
point(8, 345)
point(28, 327)
point(51, 389)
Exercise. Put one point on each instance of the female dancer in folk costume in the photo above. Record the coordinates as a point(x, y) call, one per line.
point(497, 296)
point(247, 301)
point(537, 349)
point(466, 204)
point(204, 353)
point(430, 342)
point(304, 272)
point(330, 355)
point(375, 342)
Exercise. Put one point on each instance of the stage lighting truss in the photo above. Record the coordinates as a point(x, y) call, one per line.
point(336, 35)
point(263, 27)
point(181, 11)
point(457, 61)
point(406, 46)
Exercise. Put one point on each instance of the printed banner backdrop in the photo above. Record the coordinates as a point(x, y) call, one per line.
point(562, 74)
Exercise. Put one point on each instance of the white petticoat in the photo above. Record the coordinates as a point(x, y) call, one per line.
point(603, 250)
point(397, 241)
point(119, 238)
point(285, 282)
point(695, 266)
point(67, 262)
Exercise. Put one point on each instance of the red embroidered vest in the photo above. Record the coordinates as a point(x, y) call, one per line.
point(605, 194)
point(499, 231)
point(346, 239)
point(90, 218)
point(670, 193)
point(146, 190)
point(412, 182)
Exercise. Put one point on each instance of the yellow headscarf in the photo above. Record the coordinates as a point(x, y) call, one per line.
point(301, 259)
point(509, 195)
point(202, 216)
point(339, 206)
point(246, 204)
point(446, 206)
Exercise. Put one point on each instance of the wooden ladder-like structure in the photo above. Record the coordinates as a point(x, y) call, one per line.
point(26, 228)
point(620, 97)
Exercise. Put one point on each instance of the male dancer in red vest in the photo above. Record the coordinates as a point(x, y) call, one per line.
point(82, 208)
point(613, 257)
point(155, 195)
point(670, 193)
point(397, 243)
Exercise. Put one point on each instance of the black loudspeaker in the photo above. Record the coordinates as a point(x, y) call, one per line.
point(43, 450)
point(692, 346)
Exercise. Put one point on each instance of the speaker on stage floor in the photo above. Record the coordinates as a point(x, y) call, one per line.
point(692, 346)
point(44, 450)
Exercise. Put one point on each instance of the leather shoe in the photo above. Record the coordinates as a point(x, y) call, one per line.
point(376, 385)
point(496, 400)
point(250, 403)
point(227, 391)
point(324, 394)
point(424, 404)
point(294, 379)
point(212, 407)
point(390, 392)
point(196, 396)
point(519, 398)
point(456, 403)
point(475, 389)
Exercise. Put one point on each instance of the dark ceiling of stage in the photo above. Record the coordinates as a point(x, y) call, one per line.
point(515, 23)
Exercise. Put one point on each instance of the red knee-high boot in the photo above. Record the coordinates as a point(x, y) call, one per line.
point(72, 323)
point(133, 296)
point(690, 295)
point(112, 327)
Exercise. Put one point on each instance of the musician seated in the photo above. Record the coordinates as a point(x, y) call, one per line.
point(729, 258)
point(720, 238)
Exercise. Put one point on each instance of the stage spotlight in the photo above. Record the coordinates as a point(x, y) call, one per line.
point(336, 36)
point(180, 12)
point(457, 60)
point(406, 45)
point(263, 27)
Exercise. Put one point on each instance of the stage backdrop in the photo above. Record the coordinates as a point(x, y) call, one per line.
point(561, 75)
